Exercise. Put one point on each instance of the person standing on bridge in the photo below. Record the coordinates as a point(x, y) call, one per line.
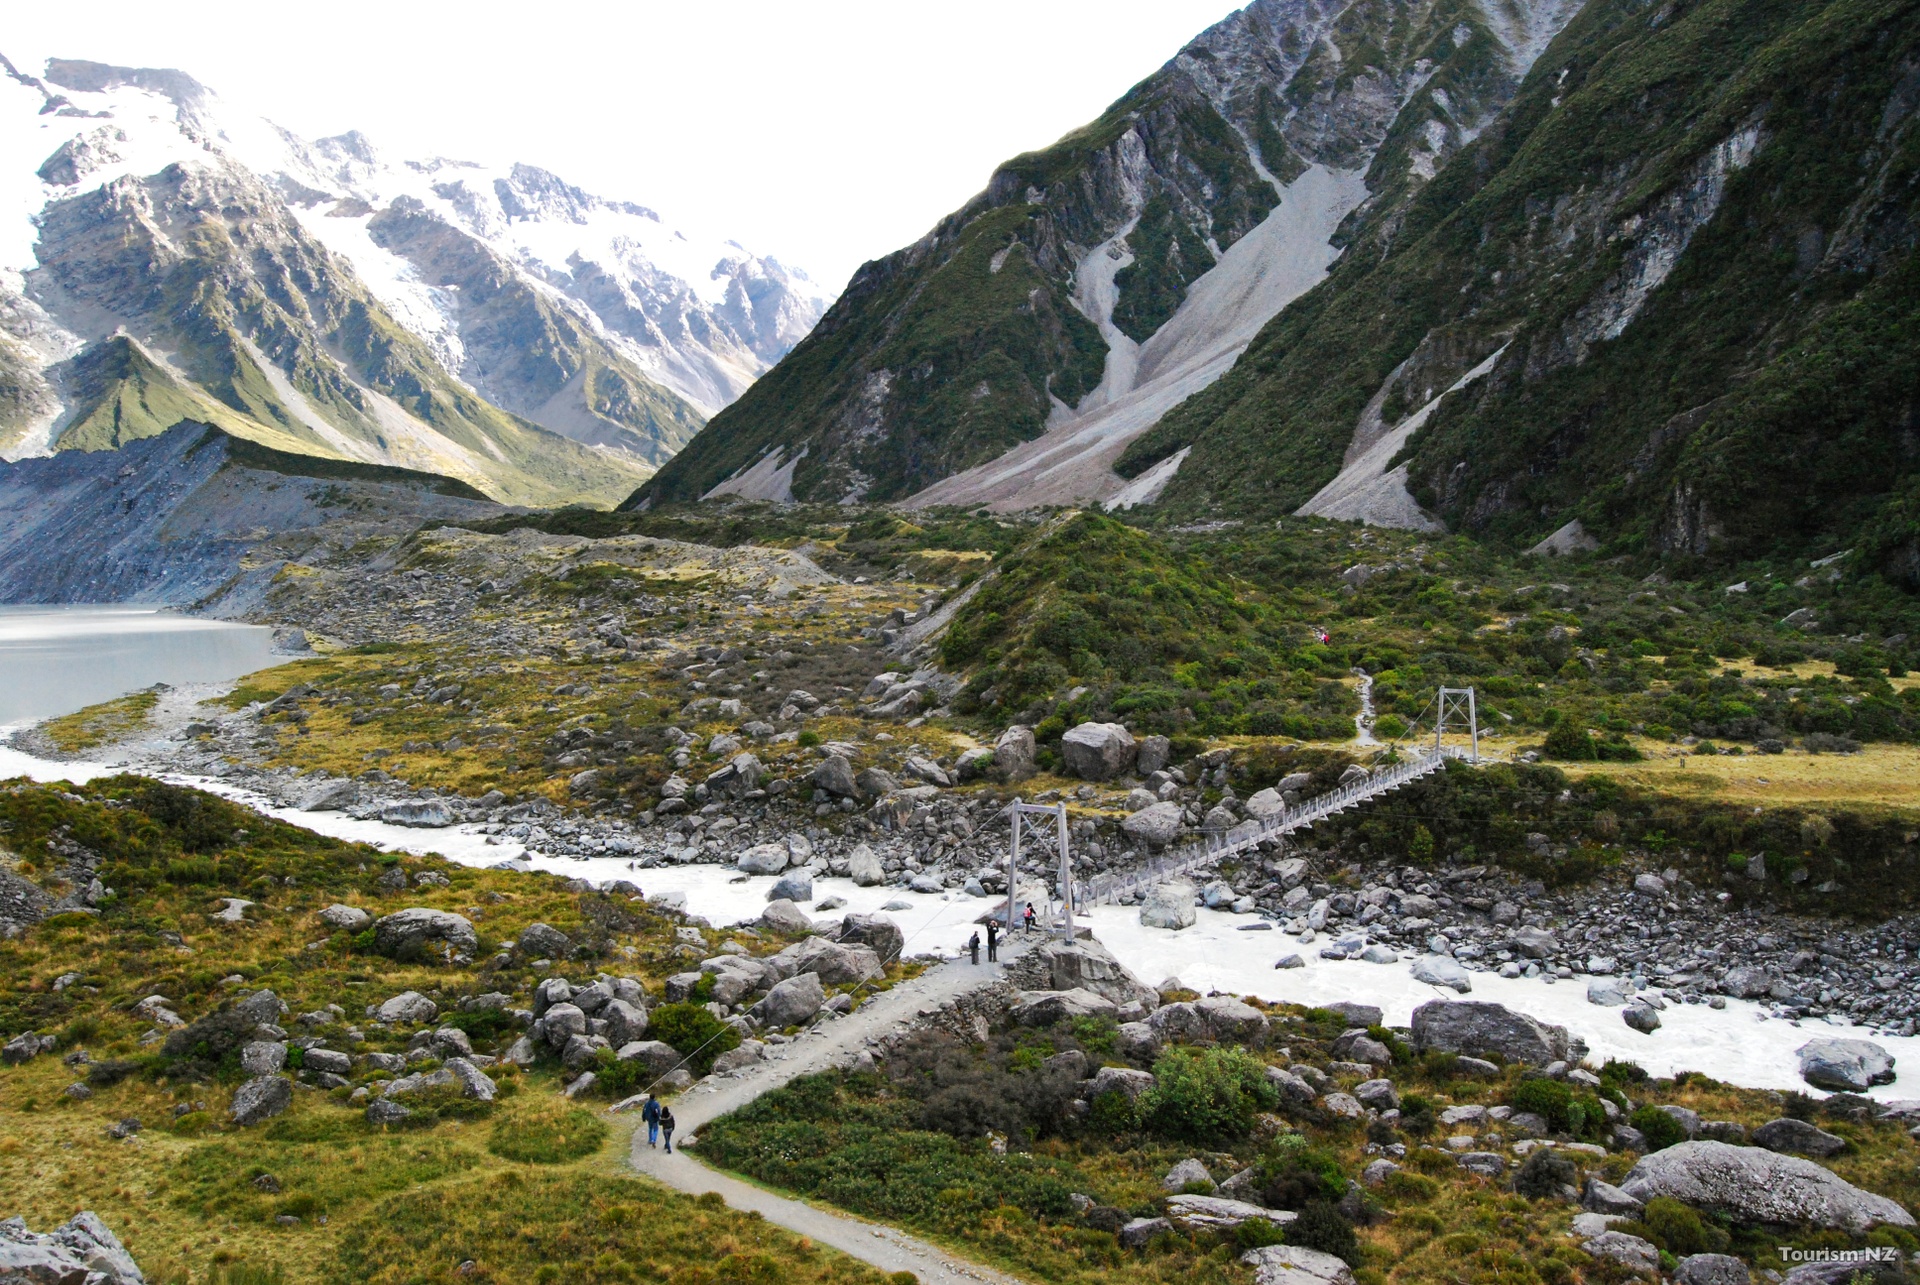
point(666, 1126)
point(973, 948)
point(993, 941)
point(1029, 917)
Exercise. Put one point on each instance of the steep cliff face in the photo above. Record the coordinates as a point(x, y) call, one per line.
point(1668, 293)
point(1038, 304)
point(172, 517)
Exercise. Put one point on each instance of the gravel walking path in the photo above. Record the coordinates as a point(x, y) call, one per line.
point(830, 1044)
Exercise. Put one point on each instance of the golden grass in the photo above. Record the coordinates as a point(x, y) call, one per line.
point(1882, 776)
point(102, 724)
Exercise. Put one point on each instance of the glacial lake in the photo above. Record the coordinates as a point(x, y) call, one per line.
point(54, 660)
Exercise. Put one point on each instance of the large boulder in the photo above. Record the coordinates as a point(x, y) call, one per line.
point(795, 886)
point(626, 1022)
point(1083, 965)
point(261, 1098)
point(1194, 1213)
point(544, 941)
point(1754, 1185)
point(1098, 751)
point(1014, 754)
point(1296, 1265)
point(1155, 825)
point(1264, 805)
point(834, 774)
point(1049, 1008)
point(1796, 1137)
point(350, 918)
point(81, 1252)
point(1232, 1022)
point(1477, 1029)
point(436, 935)
point(783, 916)
point(474, 1083)
point(791, 1002)
point(1847, 1066)
point(1169, 905)
point(657, 1057)
point(1711, 1269)
point(1442, 970)
point(833, 962)
point(1119, 1079)
point(763, 859)
point(864, 868)
point(408, 1008)
point(876, 932)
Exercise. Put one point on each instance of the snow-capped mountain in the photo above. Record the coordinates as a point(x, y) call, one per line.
point(591, 318)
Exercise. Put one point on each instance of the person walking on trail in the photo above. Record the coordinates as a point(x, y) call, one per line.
point(973, 948)
point(651, 1114)
point(1029, 917)
point(666, 1126)
point(993, 941)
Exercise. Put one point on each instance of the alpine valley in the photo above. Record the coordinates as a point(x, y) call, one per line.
point(1317, 687)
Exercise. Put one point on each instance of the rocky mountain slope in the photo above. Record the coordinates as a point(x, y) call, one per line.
point(175, 516)
point(164, 254)
point(1672, 287)
point(1097, 283)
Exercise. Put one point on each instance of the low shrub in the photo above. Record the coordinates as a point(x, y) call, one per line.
point(1661, 1129)
point(1209, 1097)
point(693, 1032)
point(1321, 1226)
point(555, 1136)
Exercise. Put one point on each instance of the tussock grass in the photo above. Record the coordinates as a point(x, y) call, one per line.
point(102, 724)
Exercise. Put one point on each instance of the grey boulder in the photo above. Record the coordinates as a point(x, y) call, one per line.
point(791, 1002)
point(1084, 965)
point(1049, 1008)
point(350, 918)
point(1296, 1265)
point(1476, 1028)
point(1014, 754)
point(407, 1007)
point(864, 868)
point(1754, 1185)
point(1797, 1137)
point(1711, 1269)
point(795, 886)
point(782, 915)
point(764, 859)
point(544, 941)
point(657, 1057)
point(1169, 905)
point(1217, 1213)
point(1629, 1251)
point(1098, 751)
point(1156, 825)
point(878, 933)
point(260, 1098)
point(1442, 970)
point(440, 935)
point(1186, 1174)
point(1850, 1066)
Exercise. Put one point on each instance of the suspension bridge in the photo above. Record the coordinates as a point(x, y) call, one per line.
point(1217, 845)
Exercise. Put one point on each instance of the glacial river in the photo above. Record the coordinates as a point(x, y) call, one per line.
point(55, 661)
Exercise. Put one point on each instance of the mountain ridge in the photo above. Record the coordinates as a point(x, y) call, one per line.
point(1110, 228)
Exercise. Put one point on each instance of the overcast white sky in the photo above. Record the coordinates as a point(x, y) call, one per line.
point(824, 133)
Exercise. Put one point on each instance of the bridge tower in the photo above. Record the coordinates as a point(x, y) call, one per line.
point(1027, 817)
point(1459, 702)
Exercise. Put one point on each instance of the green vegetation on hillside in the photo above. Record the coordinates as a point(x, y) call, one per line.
point(980, 1145)
point(318, 1193)
point(1754, 404)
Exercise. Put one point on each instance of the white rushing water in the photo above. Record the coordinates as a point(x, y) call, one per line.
point(1740, 1044)
point(54, 660)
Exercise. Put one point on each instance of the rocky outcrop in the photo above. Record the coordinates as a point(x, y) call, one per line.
point(1849, 1066)
point(1080, 965)
point(83, 1251)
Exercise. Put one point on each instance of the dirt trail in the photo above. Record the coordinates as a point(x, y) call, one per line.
point(833, 1043)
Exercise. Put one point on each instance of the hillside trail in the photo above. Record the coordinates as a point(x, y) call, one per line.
point(830, 1044)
